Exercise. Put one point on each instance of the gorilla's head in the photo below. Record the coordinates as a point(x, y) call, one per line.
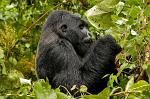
point(70, 27)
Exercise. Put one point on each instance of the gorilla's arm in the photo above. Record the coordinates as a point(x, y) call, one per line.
point(102, 54)
point(100, 61)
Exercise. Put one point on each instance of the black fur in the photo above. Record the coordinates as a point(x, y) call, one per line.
point(67, 55)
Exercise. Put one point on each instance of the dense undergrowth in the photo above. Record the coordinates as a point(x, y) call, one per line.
point(127, 20)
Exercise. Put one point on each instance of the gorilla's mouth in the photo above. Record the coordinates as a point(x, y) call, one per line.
point(87, 40)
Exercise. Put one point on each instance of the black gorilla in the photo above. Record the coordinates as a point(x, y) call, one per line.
point(67, 55)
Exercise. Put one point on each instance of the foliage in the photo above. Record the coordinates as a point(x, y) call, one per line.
point(127, 20)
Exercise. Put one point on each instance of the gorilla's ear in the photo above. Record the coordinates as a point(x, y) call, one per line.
point(63, 27)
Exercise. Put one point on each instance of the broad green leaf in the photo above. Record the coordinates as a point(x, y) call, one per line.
point(108, 5)
point(95, 11)
point(99, 15)
point(101, 21)
point(129, 84)
point(140, 86)
point(134, 96)
point(119, 7)
point(104, 94)
point(43, 90)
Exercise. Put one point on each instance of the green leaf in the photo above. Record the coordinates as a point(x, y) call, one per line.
point(123, 66)
point(27, 45)
point(147, 66)
point(139, 86)
point(43, 90)
point(112, 79)
point(3, 68)
point(73, 88)
point(119, 7)
point(104, 94)
point(134, 11)
point(121, 21)
point(61, 95)
point(83, 88)
point(101, 21)
point(129, 84)
point(12, 60)
point(134, 33)
point(100, 15)
point(147, 11)
point(1, 53)
point(108, 5)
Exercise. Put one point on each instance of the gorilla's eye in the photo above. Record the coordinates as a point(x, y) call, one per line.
point(64, 28)
point(81, 26)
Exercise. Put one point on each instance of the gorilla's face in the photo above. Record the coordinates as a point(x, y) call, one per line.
point(74, 30)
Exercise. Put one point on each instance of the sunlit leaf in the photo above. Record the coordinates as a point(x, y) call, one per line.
point(25, 81)
point(133, 32)
point(43, 90)
point(140, 86)
point(104, 94)
point(119, 7)
point(1, 53)
point(3, 68)
point(83, 88)
point(74, 87)
point(12, 60)
point(121, 21)
point(27, 45)
point(61, 95)
point(129, 84)
point(100, 16)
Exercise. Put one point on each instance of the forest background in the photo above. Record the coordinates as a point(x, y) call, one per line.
point(126, 20)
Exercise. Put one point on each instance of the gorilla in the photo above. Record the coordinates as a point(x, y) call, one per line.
point(68, 56)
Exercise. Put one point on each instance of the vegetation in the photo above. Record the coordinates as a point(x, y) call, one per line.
point(127, 20)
